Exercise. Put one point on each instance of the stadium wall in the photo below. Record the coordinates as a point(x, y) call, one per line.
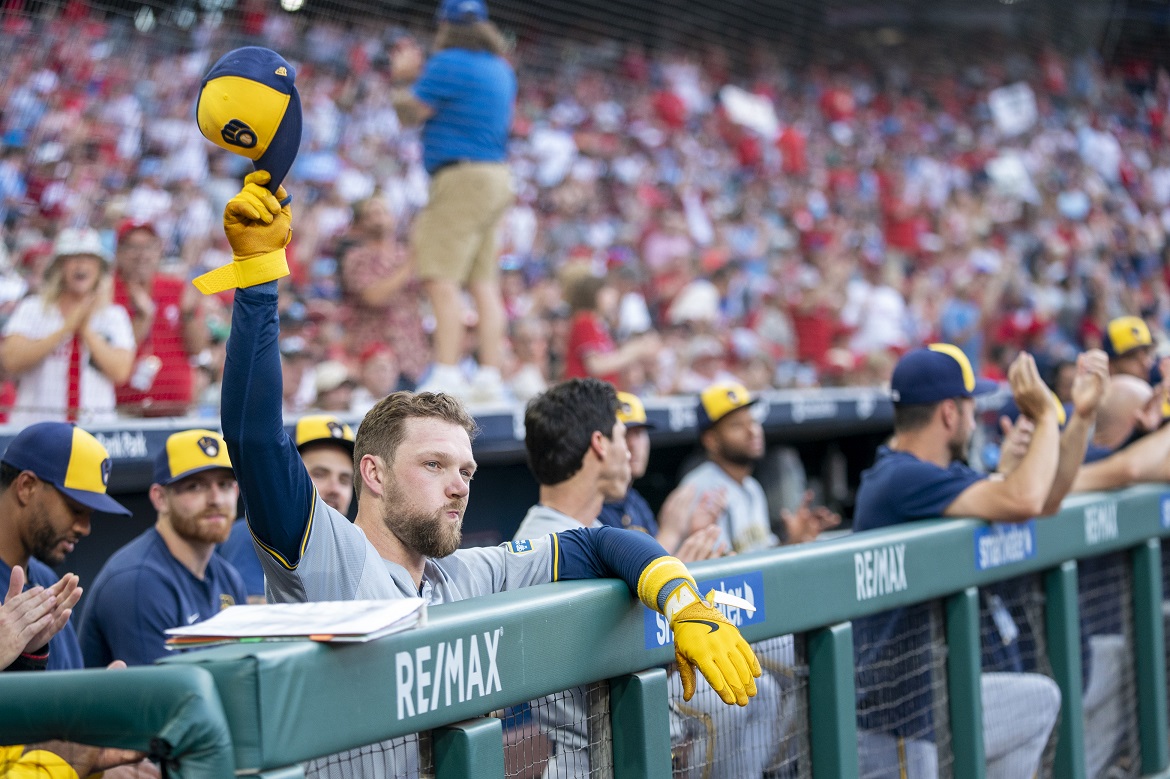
point(289, 702)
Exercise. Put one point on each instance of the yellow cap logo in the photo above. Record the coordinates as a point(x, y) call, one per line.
point(282, 71)
point(89, 464)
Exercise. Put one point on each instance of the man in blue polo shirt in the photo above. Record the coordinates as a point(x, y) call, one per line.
point(53, 477)
point(463, 97)
point(922, 474)
point(169, 576)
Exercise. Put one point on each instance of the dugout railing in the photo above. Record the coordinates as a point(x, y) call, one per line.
point(288, 703)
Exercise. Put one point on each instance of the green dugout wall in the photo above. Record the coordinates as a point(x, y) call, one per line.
point(286, 703)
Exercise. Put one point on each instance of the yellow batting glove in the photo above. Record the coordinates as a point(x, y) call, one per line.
point(703, 637)
point(258, 227)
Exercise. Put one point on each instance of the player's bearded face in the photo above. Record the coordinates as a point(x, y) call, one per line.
point(427, 531)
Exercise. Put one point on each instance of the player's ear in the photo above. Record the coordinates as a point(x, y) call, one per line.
point(373, 474)
point(158, 497)
point(597, 444)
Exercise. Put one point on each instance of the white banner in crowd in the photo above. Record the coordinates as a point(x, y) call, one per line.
point(1013, 108)
point(1011, 178)
point(754, 112)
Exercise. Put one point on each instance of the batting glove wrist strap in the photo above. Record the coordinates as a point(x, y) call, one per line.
point(661, 578)
point(244, 273)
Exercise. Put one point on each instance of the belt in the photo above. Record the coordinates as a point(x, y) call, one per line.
point(448, 164)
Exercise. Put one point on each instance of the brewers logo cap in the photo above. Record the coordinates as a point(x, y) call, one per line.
point(1124, 334)
point(323, 427)
point(719, 400)
point(462, 11)
point(70, 459)
point(631, 412)
point(934, 373)
point(248, 104)
point(188, 453)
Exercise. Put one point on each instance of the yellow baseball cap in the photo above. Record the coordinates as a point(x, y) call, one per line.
point(631, 412)
point(70, 459)
point(1124, 334)
point(188, 453)
point(323, 427)
point(719, 400)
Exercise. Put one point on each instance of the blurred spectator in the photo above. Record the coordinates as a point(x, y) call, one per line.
point(464, 98)
point(334, 387)
point(69, 346)
point(299, 387)
point(379, 291)
point(169, 327)
point(530, 347)
point(378, 376)
point(590, 351)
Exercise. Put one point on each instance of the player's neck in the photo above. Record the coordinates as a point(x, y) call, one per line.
point(573, 498)
point(924, 445)
point(737, 471)
point(389, 546)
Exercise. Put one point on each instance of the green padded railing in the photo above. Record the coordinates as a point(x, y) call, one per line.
point(286, 703)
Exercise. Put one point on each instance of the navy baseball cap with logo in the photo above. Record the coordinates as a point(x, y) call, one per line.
point(462, 11)
point(1124, 334)
point(188, 453)
point(70, 459)
point(719, 400)
point(632, 412)
point(248, 104)
point(935, 373)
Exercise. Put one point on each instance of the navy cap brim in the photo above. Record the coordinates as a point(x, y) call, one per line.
point(335, 441)
point(95, 500)
point(635, 425)
point(194, 471)
point(282, 152)
point(984, 387)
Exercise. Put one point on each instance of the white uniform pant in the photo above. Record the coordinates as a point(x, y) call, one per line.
point(1019, 713)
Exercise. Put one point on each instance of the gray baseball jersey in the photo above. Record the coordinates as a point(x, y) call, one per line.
point(744, 522)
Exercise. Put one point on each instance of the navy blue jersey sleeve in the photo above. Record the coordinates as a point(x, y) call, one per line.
point(902, 488)
point(600, 552)
point(277, 492)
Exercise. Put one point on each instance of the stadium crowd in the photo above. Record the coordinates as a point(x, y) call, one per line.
point(890, 207)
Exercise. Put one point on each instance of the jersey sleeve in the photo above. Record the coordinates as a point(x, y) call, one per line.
point(437, 82)
point(129, 618)
point(117, 329)
point(25, 318)
point(585, 553)
point(275, 487)
point(927, 490)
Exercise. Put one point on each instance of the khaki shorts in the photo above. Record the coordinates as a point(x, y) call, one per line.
point(454, 236)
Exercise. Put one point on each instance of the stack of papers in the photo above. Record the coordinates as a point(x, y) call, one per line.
point(355, 620)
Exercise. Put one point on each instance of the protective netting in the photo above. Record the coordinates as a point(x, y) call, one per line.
point(1110, 692)
point(409, 757)
point(770, 737)
point(1166, 608)
point(771, 149)
point(566, 735)
point(902, 700)
point(1014, 641)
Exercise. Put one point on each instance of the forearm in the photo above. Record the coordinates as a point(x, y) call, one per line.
point(273, 482)
point(1073, 443)
point(381, 292)
point(141, 322)
point(407, 106)
point(115, 363)
point(605, 363)
point(1032, 480)
point(195, 336)
point(635, 558)
point(19, 353)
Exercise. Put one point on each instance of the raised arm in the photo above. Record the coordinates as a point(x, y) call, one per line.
point(277, 492)
point(1023, 493)
point(1089, 385)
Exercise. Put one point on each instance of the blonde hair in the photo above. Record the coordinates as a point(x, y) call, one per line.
point(55, 281)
